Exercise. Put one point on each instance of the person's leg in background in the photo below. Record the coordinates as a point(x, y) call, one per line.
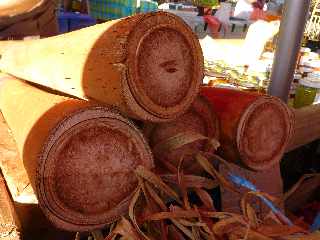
point(67, 5)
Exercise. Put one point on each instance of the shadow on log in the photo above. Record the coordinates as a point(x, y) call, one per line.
point(35, 225)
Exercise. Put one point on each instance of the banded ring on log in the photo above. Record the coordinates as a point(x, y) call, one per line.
point(149, 65)
point(80, 158)
point(255, 128)
point(199, 119)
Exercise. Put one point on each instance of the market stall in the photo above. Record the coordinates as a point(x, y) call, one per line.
point(135, 129)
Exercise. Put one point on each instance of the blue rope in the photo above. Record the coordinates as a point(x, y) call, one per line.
point(247, 184)
point(316, 224)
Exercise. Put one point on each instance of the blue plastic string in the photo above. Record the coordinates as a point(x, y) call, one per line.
point(316, 224)
point(247, 184)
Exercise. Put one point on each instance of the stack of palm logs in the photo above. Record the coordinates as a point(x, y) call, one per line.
point(68, 106)
point(72, 103)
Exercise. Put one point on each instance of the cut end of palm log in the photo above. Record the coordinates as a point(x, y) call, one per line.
point(255, 129)
point(265, 131)
point(184, 137)
point(85, 174)
point(80, 158)
point(165, 65)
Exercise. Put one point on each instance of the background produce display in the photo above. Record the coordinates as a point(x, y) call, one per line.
point(255, 77)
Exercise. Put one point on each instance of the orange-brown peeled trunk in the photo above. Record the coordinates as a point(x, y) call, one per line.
point(149, 65)
point(79, 157)
point(199, 119)
point(255, 128)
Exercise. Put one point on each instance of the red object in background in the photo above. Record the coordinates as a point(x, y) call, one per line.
point(258, 14)
point(213, 23)
point(259, 4)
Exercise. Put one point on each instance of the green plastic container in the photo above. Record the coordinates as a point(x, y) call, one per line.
point(206, 3)
point(306, 92)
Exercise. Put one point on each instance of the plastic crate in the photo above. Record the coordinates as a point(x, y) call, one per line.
point(72, 21)
point(115, 9)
